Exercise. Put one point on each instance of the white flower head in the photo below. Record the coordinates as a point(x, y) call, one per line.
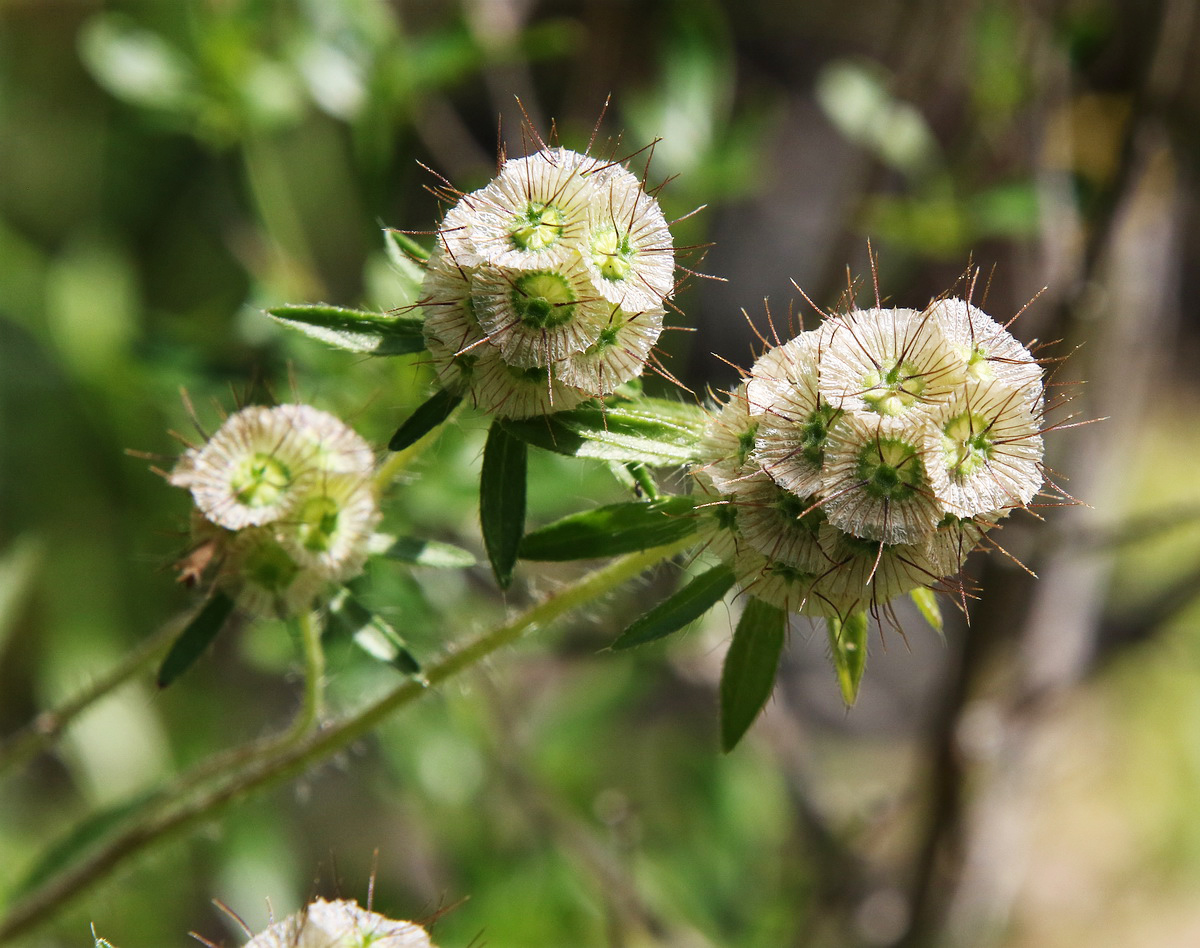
point(863, 574)
point(264, 577)
point(794, 429)
point(779, 584)
point(779, 524)
point(891, 362)
point(876, 486)
point(986, 349)
point(511, 391)
point(261, 461)
point(618, 354)
point(340, 924)
point(630, 251)
point(329, 530)
point(534, 213)
point(728, 442)
point(985, 454)
point(537, 317)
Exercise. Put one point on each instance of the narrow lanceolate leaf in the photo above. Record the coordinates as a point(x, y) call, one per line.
point(432, 553)
point(651, 431)
point(925, 599)
point(432, 413)
point(502, 500)
point(749, 671)
point(848, 648)
point(355, 330)
point(687, 605)
point(195, 638)
point(612, 530)
point(371, 633)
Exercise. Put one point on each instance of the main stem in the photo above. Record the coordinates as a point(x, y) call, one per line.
point(317, 745)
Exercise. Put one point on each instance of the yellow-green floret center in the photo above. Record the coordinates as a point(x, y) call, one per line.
point(260, 480)
point(612, 253)
point(893, 388)
point(543, 299)
point(268, 565)
point(890, 469)
point(815, 432)
point(966, 445)
point(317, 523)
point(537, 227)
point(799, 513)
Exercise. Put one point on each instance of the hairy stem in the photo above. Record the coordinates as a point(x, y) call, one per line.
point(314, 746)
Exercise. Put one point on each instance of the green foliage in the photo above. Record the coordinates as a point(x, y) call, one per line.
point(640, 430)
point(436, 409)
point(196, 636)
point(685, 606)
point(354, 330)
point(848, 650)
point(748, 675)
point(612, 530)
point(502, 500)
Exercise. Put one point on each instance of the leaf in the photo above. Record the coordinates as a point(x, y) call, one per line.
point(371, 633)
point(848, 647)
point(652, 431)
point(925, 599)
point(502, 500)
point(65, 851)
point(749, 671)
point(612, 530)
point(195, 638)
point(432, 412)
point(403, 249)
point(686, 605)
point(353, 329)
point(432, 553)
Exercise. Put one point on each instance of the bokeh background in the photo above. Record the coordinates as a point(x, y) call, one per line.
point(168, 168)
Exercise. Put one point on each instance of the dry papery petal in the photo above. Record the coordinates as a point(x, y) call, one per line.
point(261, 461)
point(534, 213)
point(538, 317)
point(729, 440)
point(876, 486)
point(985, 456)
point(718, 518)
point(329, 531)
point(340, 924)
point(793, 430)
point(511, 392)
point(894, 362)
point(988, 350)
point(861, 575)
point(618, 354)
point(264, 577)
point(780, 525)
point(630, 250)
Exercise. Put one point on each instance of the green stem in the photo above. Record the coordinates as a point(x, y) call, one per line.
point(48, 726)
point(319, 744)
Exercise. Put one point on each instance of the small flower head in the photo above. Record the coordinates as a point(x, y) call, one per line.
point(558, 270)
point(285, 505)
point(868, 457)
point(340, 924)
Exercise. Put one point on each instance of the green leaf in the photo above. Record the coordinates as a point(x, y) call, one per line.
point(612, 530)
point(687, 605)
point(848, 648)
point(502, 500)
point(652, 431)
point(925, 599)
point(65, 851)
point(436, 409)
point(401, 248)
point(195, 638)
point(371, 633)
point(749, 671)
point(432, 553)
point(355, 330)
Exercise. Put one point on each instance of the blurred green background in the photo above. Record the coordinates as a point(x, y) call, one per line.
point(169, 168)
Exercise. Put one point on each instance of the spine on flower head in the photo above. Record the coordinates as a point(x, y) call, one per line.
point(867, 457)
point(548, 285)
point(340, 924)
point(285, 505)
